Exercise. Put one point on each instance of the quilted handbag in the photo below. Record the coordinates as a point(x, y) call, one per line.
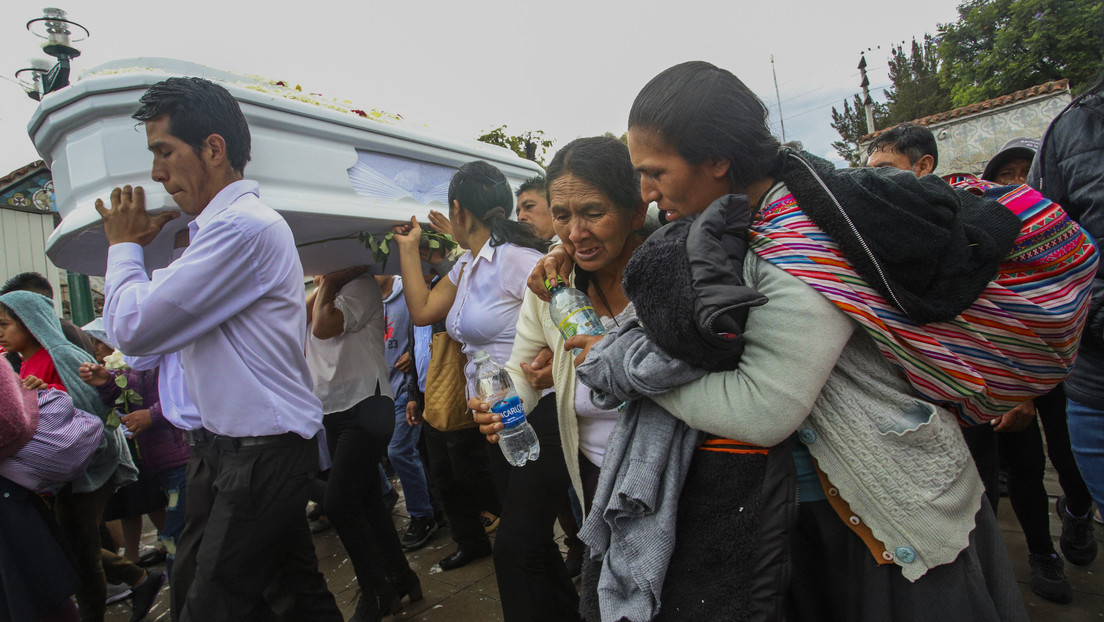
point(446, 405)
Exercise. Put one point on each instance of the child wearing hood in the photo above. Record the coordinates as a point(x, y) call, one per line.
point(30, 327)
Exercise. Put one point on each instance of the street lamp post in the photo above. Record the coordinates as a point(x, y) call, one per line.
point(59, 33)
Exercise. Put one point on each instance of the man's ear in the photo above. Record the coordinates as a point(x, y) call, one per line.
point(924, 166)
point(214, 147)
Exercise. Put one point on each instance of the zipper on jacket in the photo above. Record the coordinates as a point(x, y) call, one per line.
point(854, 230)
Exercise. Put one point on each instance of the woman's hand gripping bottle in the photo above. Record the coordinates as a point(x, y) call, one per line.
point(517, 438)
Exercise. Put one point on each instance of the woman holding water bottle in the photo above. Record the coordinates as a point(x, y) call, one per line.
point(479, 302)
point(594, 194)
point(596, 209)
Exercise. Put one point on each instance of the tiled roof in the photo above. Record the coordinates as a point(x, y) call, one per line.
point(1057, 86)
point(21, 172)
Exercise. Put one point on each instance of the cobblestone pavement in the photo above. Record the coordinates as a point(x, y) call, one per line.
point(471, 592)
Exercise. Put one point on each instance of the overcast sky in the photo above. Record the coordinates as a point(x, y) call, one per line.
point(570, 68)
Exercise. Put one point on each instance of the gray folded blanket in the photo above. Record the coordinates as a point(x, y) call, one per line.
point(632, 525)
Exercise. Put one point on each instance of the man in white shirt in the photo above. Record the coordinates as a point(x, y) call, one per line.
point(232, 304)
point(346, 355)
point(532, 207)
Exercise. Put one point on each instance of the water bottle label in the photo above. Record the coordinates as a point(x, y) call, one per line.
point(580, 323)
point(513, 413)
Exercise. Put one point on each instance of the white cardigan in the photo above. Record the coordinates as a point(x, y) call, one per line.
point(535, 330)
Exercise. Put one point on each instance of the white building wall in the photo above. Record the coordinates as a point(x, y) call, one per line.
point(966, 144)
point(23, 236)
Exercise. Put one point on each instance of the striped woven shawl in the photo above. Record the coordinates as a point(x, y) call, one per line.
point(1017, 341)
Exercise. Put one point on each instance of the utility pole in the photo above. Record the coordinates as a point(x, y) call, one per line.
point(868, 103)
point(778, 97)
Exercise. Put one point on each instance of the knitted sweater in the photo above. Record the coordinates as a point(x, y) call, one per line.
point(899, 461)
point(535, 330)
point(647, 458)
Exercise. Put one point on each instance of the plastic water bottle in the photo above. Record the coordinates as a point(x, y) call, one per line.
point(518, 439)
point(572, 312)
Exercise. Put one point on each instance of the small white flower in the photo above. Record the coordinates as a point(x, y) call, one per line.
point(115, 361)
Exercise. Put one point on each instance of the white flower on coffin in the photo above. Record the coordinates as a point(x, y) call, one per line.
point(115, 361)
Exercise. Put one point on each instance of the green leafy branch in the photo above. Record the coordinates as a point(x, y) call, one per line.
point(380, 243)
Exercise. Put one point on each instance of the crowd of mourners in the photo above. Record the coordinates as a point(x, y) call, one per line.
point(810, 383)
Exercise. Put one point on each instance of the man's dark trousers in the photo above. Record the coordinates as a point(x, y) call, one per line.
point(245, 529)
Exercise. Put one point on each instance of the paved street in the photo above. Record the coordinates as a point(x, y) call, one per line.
point(471, 593)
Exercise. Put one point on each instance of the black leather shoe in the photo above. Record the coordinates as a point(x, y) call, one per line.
point(466, 554)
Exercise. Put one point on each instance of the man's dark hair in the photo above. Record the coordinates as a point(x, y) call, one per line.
point(536, 183)
point(914, 141)
point(602, 163)
point(197, 108)
point(482, 190)
point(29, 282)
point(704, 112)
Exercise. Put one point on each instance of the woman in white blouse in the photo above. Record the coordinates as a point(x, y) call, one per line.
point(480, 301)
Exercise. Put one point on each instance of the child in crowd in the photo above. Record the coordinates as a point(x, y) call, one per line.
point(30, 327)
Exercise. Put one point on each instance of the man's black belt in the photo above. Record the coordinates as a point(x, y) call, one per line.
point(234, 443)
point(203, 436)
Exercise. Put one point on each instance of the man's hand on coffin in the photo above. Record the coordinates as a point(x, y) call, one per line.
point(127, 220)
point(340, 278)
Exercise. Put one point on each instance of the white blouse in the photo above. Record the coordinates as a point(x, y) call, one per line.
point(488, 299)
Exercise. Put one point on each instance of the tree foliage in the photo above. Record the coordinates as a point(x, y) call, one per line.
point(851, 125)
point(998, 47)
point(995, 47)
point(624, 137)
point(530, 145)
point(916, 90)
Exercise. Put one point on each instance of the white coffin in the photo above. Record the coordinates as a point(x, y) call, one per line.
point(329, 171)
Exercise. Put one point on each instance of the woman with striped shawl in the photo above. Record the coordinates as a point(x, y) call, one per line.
point(898, 309)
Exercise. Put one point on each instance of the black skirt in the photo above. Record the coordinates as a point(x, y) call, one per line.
point(139, 497)
point(835, 577)
point(36, 573)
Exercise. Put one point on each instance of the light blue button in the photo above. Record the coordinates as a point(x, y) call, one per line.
point(807, 436)
point(906, 555)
